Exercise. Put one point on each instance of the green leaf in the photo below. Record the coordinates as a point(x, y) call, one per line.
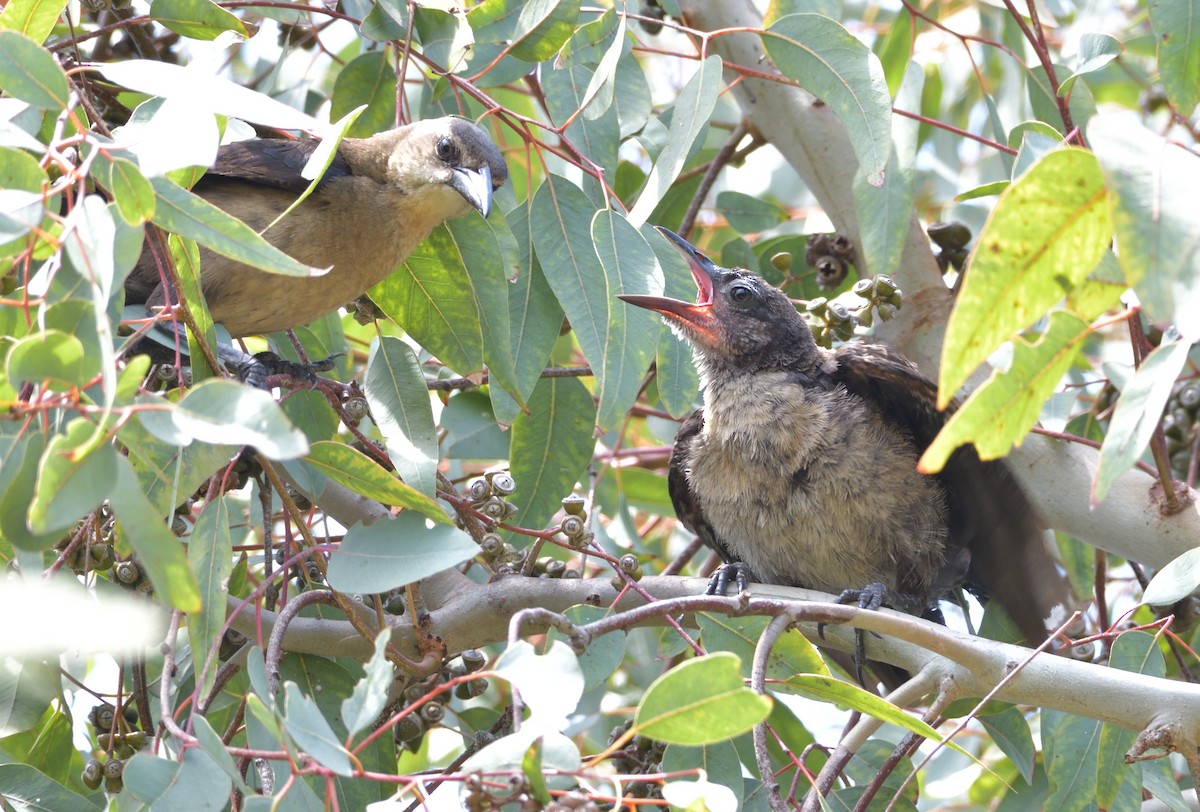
point(133, 194)
point(20, 213)
point(1138, 411)
point(211, 743)
point(25, 788)
point(28, 685)
point(719, 762)
point(1070, 747)
point(835, 67)
point(1152, 185)
point(551, 447)
point(631, 336)
point(1046, 233)
point(159, 553)
point(749, 214)
point(1175, 581)
point(47, 356)
point(223, 412)
point(33, 18)
point(543, 27)
point(604, 653)
point(358, 472)
point(206, 91)
point(825, 688)
point(386, 21)
point(369, 79)
point(400, 407)
point(29, 73)
point(18, 478)
point(700, 702)
point(534, 320)
point(550, 684)
point(181, 212)
point(689, 118)
point(1175, 23)
point(1095, 51)
point(390, 554)
point(432, 299)
point(304, 722)
point(889, 208)
point(792, 653)
point(362, 708)
point(488, 252)
point(894, 50)
point(210, 555)
point(74, 477)
point(196, 19)
point(1001, 412)
point(596, 137)
point(531, 766)
point(1010, 732)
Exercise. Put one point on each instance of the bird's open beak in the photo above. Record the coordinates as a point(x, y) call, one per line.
point(698, 318)
point(475, 185)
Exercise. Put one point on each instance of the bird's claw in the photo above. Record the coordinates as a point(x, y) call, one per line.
point(870, 597)
point(718, 584)
point(256, 369)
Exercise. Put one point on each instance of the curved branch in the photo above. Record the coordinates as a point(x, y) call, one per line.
point(470, 618)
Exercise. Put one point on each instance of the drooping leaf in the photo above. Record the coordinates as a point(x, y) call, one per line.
point(32, 18)
point(1175, 581)
point(1152, 184)
point(1095, 51)
point(30, 73)
point(551, 447)
point(305, 723)
point(1138, 411)
point(1044, 236)
point(542, 28)
point(831, 64)
point(1001, 412)
point(689, 117)
point(390, 554)
point(210, 555)
point(221, 411)
point(400, 407)
point(363, 707)
point(1175, 23)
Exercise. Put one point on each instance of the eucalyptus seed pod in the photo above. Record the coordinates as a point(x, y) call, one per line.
point(471, 689)
point(127, 572)
point(433, 712)
point(502, 483)
point(492, 546)
point(818, 306)
point(782, 261)
point(628, 563)
point(555, 568)
point(479, 489)
point(950, 234)
point(114, 768)
point(93, 774)
point(494, 508)
point(473, 659)
point(573, 505)
point(356, 409)
point(864, 288)
point(409, 728)
point(831, 271)
point(572, 526)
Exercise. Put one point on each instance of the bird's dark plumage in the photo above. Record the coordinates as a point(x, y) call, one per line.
point(802, 463)
point(378, 200)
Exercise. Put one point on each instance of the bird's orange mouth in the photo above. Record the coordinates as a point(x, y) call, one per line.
point(698, 319)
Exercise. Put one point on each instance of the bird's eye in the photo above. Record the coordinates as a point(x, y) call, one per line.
point(446, 150)
point(740, 294)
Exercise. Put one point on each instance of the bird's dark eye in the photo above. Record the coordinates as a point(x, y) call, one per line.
point(446, 150)
point(740, 294)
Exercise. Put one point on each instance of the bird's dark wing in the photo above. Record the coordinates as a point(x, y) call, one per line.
point(989, 516)
point(687, 507)
point(274, 162)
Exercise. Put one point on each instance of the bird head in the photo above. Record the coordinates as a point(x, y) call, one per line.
point(738, 319)
point(450, 158)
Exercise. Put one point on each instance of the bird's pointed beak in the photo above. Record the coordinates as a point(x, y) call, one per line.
point(475, 185)
point(698, 317)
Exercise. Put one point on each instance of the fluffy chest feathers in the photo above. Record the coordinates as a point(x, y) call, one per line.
point(809, 486)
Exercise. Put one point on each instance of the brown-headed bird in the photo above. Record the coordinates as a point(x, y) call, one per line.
point(378, 200)
point(802, 465)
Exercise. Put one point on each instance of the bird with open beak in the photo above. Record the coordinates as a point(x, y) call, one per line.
point(801, 468)
point(378, 200)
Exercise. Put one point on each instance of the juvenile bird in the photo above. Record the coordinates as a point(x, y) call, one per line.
point(378, 200)
point(802, 465)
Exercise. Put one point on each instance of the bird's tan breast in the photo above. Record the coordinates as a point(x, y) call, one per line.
point(809, 488)
point(360, 243)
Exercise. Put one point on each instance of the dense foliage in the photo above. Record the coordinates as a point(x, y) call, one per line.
point(199, 570)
